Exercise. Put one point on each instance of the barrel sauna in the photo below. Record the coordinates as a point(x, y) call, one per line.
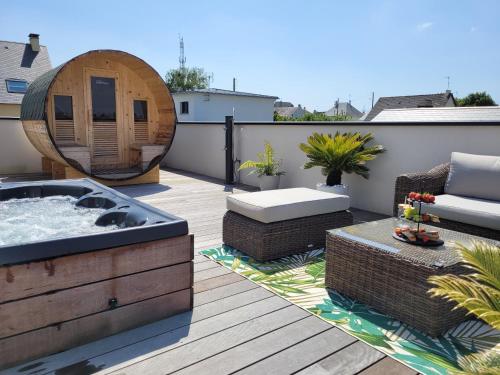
point(105, 114)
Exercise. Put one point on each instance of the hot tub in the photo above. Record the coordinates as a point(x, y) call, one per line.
point(136, 221)
point(64, 282)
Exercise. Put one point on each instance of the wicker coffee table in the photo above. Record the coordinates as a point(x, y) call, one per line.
point(366, 263)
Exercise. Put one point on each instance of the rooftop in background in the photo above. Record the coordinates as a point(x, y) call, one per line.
point(20, 62)
point(281, 104)
point(227, 92)
point(444, 99)
point(293, 112)
point(440, 114)
point(344, 108)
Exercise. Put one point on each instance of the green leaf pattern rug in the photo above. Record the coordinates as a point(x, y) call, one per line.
point(301, 280)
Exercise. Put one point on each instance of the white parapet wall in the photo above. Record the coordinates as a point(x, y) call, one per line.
point(410, 148)
point(17, 154)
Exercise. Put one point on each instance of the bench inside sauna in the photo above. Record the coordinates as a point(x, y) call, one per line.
point(105, 114)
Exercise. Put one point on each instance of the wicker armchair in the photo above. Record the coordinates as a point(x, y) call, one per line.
point(433, 182)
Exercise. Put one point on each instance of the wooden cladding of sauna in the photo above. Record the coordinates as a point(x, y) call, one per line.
point(65, 132)
point(141, 132)
point(105, 136)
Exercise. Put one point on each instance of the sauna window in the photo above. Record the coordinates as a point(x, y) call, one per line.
point(16, 86)
point(63, 107)
point(103, 99)
point(140, 111)
point(184, 107)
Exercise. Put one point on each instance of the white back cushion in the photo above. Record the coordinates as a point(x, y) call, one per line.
point(475, 176)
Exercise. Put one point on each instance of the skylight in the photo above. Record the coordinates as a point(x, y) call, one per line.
point(16, 86)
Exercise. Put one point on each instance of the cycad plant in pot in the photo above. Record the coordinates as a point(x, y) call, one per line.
point(266, 167)
point(342, 152)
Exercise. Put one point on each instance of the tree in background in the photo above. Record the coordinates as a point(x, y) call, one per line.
point(183, 79)
point(476, 99)
point(315, 116)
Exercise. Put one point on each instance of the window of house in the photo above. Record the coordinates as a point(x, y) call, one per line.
point(140, 111)
point(16, 86)
point(63, 105)
point(103, 99)
point(184, 107)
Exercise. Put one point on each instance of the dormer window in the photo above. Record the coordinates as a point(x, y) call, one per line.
point(16, 86)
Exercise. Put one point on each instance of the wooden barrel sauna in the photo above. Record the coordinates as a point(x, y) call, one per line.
point(105, 113)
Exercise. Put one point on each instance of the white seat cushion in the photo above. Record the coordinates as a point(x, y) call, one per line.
point(481, 212)
point(285, 204)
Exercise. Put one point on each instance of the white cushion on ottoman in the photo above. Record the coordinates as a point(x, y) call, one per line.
point(285, 204)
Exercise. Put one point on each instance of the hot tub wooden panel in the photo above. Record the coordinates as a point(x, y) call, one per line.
point(55, 304)
point(39, 277)
point(59, 337)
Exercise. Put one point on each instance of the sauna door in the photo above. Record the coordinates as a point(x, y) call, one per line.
point(105, 117)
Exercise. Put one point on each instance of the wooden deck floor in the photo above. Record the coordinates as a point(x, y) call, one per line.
point(236, 326)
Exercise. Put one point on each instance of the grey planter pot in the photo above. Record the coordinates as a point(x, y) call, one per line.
point(269, 182)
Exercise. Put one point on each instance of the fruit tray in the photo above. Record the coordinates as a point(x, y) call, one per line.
point(419, 242)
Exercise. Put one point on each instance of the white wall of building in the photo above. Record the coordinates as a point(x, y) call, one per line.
point(409, 149)
point(214, 107)
point(17, 154)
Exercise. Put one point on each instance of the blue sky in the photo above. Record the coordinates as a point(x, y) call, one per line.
point(307, 52)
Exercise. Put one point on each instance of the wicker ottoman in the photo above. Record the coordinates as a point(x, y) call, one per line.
point(273, 224)
point(365, 263)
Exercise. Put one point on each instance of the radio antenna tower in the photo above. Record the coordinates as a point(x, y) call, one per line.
point(182, 58)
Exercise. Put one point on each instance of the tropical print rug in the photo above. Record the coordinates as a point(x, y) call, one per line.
point(301, 280)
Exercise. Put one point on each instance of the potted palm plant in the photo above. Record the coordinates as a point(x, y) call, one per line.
point(347, 152)
point(266, 167)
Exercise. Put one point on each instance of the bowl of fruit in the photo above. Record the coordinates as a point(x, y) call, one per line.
point(417, 236)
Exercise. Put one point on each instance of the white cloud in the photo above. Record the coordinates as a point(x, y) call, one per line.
point(424, 26)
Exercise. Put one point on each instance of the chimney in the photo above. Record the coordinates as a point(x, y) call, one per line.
point(234, 84)
point(35, 42)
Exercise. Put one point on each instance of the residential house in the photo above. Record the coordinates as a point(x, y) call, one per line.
point(444, 99)
point(344, 108)
point(441, 114)
point(289, 110)
point(20, 64)
point(214, 104)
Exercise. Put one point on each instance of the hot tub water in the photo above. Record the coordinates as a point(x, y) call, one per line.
point(37, 219)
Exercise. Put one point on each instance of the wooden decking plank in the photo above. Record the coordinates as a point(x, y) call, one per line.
point(201, 245)
point(198, 258)
point(159, 345)
point(223, 292)
point(264, 346)
point(215, 282)
point(240, 304)
point(302, 355)
point(211, 273)
point(388, 366)
point(350, 360)
point(175, 359)
point(201, 266)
